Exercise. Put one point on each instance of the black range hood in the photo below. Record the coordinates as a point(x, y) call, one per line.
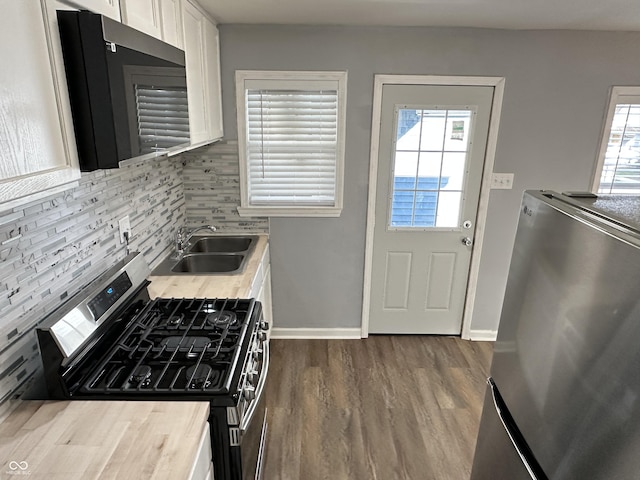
point(127, 90)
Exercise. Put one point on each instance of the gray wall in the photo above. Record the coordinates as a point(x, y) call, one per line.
point(556, 91)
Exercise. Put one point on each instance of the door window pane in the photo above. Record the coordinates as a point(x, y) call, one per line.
point(433, 130)
point(448, 209)
point(429, 167)
point(452, 177)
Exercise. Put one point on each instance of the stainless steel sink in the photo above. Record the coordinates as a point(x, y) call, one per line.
point(209, 263)
point(210, 255)
point(226, 244)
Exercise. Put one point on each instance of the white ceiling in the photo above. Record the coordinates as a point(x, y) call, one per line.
point(509, 14)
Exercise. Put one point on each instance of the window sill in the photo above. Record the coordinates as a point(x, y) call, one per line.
point(289, 211)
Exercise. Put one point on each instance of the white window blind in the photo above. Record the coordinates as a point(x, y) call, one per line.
point(163, 117)
point(291, 138)
point(292, 146)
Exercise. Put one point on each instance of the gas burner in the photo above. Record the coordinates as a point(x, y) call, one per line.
point(222, 318)
point(141, 376)
point(201, 376)
point(208, 308)
point(175, 320)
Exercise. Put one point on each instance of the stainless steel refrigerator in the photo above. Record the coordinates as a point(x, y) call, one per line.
point(563, 399)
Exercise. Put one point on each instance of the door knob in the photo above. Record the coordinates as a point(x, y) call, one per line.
point(467, 241)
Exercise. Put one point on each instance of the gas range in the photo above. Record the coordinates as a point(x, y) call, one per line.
point(178, 346)
point(112, 342)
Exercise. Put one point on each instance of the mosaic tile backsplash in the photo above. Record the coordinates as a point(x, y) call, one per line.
point(50, 248)
point(212, 189)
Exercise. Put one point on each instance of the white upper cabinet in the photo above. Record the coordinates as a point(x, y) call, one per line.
point(171, 22)
point(203, 74)
point(143, 15)
point(109, 8)
point(38, 146)
point(212, 76)
point(161, 19)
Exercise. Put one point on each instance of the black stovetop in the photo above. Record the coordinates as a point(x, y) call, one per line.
point(177, 347)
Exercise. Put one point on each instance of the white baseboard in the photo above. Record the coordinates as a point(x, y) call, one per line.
point(318, 333)
point(351, 333)
point(483, 335)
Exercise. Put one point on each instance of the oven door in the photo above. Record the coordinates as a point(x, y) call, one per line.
point(253, 427)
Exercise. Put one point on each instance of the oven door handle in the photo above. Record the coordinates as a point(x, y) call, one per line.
point(246, 419)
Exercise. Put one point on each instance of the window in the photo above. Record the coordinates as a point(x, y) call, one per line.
point(291, 140)
point(429, 166)
point(618, 168)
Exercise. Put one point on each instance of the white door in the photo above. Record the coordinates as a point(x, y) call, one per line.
point(432, 148)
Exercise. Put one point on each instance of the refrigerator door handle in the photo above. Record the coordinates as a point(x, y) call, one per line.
point(524, 452)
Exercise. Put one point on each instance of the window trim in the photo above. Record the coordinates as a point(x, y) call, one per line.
point(251, 76)
point(616, 96)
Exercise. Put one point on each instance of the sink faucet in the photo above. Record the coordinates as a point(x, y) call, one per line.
point(184, 234)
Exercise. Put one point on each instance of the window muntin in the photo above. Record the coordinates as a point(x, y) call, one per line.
point(429, 166)
point(291, 139)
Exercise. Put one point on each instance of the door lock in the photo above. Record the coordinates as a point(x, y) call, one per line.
point(467, 241)
point(467, 224)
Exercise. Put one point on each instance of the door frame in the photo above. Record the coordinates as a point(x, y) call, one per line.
point(380, 80)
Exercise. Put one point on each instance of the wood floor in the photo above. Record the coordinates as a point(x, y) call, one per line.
point(381, 408)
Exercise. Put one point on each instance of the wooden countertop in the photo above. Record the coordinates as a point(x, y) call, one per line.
point(88, 440)
point(210, 286)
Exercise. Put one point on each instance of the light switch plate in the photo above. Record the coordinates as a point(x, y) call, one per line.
point(502, 181)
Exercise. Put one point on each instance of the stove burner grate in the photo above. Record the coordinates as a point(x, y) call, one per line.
point(174, 345)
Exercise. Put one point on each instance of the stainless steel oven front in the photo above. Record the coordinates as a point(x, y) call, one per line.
point(248, 421)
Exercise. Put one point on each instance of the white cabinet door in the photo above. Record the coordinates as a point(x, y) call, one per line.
point(109, 8)
point(212, 75)
point(194, 51)
point(261, 289)
point(265, 298)
point(143, 15)
point(36, 133)
point(203, 74)
point(202, 466)
point(171, 22)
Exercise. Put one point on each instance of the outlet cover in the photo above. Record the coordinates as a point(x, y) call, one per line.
point(124, 226)
point(502, 181)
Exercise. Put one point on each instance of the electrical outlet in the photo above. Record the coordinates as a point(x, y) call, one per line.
point(125, 226)
point(502, 181)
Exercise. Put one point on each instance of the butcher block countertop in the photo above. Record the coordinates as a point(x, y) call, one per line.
point(87, 440)
point(210, 286)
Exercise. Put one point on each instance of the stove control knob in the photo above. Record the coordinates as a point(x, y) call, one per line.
point(249, 393)
point(262, 336)
point(257, 354)
point(252, 376)
point(264, 325)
